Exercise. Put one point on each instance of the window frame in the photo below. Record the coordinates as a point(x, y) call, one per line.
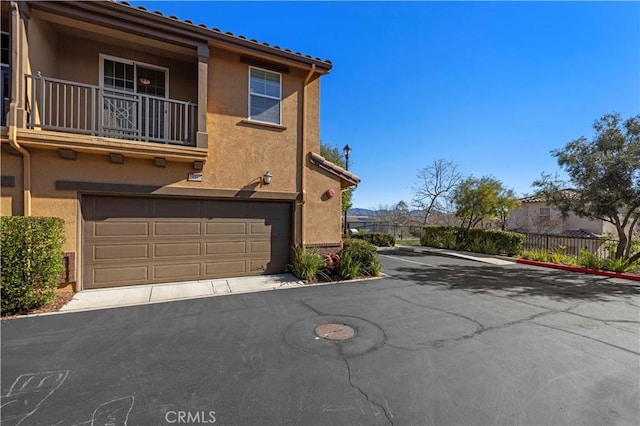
point(547, 213)
point(279, 98)
point(135, 73)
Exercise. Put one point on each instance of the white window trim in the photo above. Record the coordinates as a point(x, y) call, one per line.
point(135, 70)
point(279, 98)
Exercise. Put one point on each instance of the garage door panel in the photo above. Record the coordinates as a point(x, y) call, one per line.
point(161, 250)
point(229, 247)
point(193, 229)
point(110, 207)
point(228, 268)
point(120, 252)
point(115, 276)
point(226, 228)
point(162, 240)
point(217, 209)
point(261, 247)
point(120, 229)
point(178, 272)
point(267, 209)
point(171, 208)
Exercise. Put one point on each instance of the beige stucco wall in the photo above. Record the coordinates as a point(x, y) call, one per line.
point(322, 214)
point(239, 152)
point(11, 197)
point(43, 47)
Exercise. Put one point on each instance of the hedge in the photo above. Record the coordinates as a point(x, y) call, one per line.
point(378, 239)
point(477, 240)
point(31, 261)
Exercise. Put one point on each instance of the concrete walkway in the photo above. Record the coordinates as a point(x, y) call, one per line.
point(157, 293)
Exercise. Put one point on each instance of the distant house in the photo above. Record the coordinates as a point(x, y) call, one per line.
point(534, 216)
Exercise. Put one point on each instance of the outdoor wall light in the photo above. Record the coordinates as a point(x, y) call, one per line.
point(266, 178)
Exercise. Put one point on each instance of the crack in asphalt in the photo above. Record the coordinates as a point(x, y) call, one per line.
point(308, 306)
point(480, 330)
point(386, 412)
point(590, 338)
point(437, 343)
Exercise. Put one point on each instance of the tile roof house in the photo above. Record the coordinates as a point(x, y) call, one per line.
point(173, 151)
point(534, 216)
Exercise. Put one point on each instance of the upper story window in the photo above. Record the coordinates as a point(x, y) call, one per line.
point(545, 212)
point(265, 93)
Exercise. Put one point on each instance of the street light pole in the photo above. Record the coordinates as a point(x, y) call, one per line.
point(347, 153)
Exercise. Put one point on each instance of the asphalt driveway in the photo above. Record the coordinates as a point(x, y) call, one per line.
point(441, 341)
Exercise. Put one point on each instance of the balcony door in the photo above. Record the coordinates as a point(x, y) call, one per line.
point(134, 100)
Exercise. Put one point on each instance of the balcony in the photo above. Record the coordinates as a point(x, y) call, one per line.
point(66, 106)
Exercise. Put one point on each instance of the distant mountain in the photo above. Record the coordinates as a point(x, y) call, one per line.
point(361, 212)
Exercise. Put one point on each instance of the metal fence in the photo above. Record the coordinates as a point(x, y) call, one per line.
point(601, 247)
point(400, 232)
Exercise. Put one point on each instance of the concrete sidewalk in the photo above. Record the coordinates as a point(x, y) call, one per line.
point(157, 293)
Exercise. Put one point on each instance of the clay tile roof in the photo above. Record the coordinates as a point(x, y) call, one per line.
point(540, 198)
point(328, 64)
point(346, 177)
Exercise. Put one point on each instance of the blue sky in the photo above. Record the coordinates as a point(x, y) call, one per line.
point(492, 86)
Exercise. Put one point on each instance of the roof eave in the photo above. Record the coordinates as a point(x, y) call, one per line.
point(347, 179)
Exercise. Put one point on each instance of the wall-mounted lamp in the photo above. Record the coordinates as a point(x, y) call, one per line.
point(266, 178)
point(144, 81)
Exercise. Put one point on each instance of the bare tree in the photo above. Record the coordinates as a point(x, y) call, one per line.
point(435, 185)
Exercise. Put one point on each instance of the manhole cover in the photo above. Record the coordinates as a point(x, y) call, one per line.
point(335, 331)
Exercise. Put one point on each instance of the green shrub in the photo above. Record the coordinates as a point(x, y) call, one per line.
point(349, 268)
point(375, 268)
point(477, 240)
point(361, 252)
point(590, 260)
point(378, 239)
point(306, 263)
point(31, 261)
point(439, 237)
point(618, 265)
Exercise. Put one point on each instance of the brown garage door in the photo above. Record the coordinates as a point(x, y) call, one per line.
point(131, 241)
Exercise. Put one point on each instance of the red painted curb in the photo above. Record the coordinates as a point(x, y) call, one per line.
point(579, 269)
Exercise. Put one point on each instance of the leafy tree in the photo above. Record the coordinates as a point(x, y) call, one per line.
point(435, 184)
point(479, 199)
point(605, 173)
point(507, 202)
point(336, 156)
